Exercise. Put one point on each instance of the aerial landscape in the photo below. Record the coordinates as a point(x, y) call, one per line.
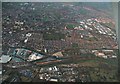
point(58, 42)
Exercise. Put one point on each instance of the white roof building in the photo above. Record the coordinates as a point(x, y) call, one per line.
point(34, 57)
point(54, 80)
point(5, 58)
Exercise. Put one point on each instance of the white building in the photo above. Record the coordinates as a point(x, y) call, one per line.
point(5, 58)
point(34, 57)
point(54, 80)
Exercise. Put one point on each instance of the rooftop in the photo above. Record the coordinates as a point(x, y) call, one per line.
point(5, 58)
